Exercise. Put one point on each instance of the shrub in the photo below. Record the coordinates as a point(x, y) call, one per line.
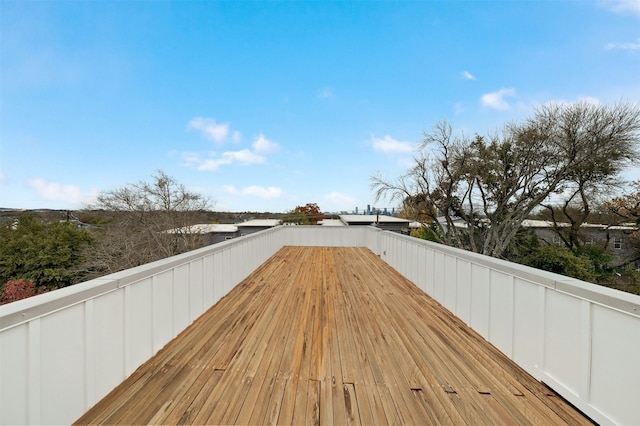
point(19, 289)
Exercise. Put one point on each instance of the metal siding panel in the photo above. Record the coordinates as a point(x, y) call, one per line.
point(138, 323)
point(163, 327)
point(615, 342)
point(463, 287)
point(562, 350)
point(501, 312)
point(526, 326)
point(218, 282)
point(430, 271)
point(181, 296)
point(421, 265)
point(480, 299)
point(109, 340)
point(226, 271)
point(62, 365)
point(438, 276)
point(450, 283)
point(207, 276)
point(14, 367)
point(196, 290)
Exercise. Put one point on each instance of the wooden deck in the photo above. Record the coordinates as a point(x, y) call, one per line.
point(321, 335)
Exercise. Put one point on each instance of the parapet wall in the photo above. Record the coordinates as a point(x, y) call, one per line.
point(63, 351)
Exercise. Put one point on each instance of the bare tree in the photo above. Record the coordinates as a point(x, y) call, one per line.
point(603, 140)
point(152, 220)
point(484, 187)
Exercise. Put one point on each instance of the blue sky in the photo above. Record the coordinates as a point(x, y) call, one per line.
point(263, 106)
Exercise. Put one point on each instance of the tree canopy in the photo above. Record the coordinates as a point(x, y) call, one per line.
point(152, 221)
point(309, 214)
point(483, 187)
point(50, 255)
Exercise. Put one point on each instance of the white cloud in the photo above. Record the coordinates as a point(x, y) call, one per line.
point(59, 192)
point(258, 191)
point(229, 188)
point(210, 129)
point(212, 161)
point(389, 145)
point(634, 45)
point(467, 75)
point(244, 156)
point(622, 6)
point(3, 178)
point(254, 191)
point(326, 92)
point(496, 100)
point(263, 145)
point(340, 201)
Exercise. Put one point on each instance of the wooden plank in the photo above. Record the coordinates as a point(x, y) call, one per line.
point(253, 365)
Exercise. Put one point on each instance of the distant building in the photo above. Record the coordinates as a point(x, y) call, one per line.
point(218, 232)
point(331, 222)
point(255, 225)
point(388, 223)
point(613, 239)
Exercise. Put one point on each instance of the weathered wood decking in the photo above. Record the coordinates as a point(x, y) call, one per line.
point(321, 335)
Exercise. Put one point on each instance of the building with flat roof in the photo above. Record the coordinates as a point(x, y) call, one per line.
point(388, 223)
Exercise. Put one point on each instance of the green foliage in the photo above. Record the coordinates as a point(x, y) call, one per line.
point(430, 233)
point(559, 260)
point(597, 257)
point(47, 254)
point(295, 216)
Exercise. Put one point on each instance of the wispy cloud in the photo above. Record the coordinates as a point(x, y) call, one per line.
point(634, 45)
point(586, 99)
point(338, 200)
point(496, 100)
point(263, 145)
point(54, 191)
point(212, 161)
point(325, 92)
point(211, 130)
point(467, 75)
point(3, 178)
point(389, 145)
point(270, 192)
point(622, 6)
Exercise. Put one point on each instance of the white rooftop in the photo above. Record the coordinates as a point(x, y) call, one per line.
point(260, 223)
point(331, 222)
point(371, 218)
point(532, 223)
point(206, 228)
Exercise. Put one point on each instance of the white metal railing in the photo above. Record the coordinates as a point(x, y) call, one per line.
point(61, 352)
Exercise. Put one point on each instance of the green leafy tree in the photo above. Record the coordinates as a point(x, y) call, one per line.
point(429, 232)
point(51, 255)
point(560, 260)
point(295, 216)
